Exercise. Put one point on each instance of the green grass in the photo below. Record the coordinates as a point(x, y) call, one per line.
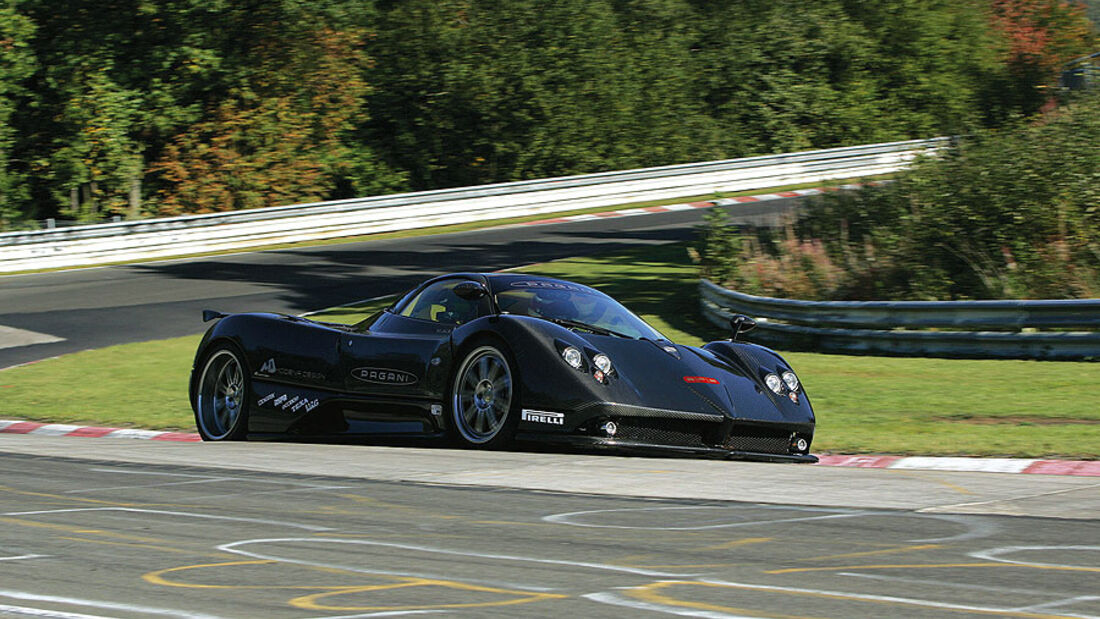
point(864, 404)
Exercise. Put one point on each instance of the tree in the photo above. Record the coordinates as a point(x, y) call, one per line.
point(16, 65)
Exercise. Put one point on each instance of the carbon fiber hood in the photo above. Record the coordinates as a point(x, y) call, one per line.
point(697, 380)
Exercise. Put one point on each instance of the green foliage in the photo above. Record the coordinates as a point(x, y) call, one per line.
point(1008, 214)
point(16, 64)
point(137, 107)
point(718, 249)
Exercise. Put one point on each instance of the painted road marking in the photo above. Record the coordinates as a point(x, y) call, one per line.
point(159, 512)
point(10, 337)
point(831, 513)
point(651, 593)
point(134, 608)
point(20, 557)
point(618, 600)
point(994, 554)
point(233, 548)
point(7, 609)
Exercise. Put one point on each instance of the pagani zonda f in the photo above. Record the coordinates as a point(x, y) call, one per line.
point(489, 358)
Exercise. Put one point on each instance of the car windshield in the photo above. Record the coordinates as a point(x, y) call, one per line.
point(573, 306)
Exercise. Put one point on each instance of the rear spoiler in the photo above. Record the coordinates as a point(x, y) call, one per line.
point(209, 314)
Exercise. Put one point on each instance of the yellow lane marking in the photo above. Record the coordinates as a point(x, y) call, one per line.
point(875, 552)
point(310, 602)
point(157, 577)
point(918, 566)
point(65, 499)
point(739, 542)
point(649, 593)
point(70, 529)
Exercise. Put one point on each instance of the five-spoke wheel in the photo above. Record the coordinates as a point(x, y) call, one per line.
point(221, 397)
point(482, 399)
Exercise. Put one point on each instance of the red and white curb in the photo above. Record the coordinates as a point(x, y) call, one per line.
point(1083, 468)
point(61, 429)
point(668, 208)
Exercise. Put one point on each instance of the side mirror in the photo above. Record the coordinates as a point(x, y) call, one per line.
point(470, 291)
point(741, 323)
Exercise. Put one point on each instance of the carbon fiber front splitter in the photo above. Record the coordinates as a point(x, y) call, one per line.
point(634, 446)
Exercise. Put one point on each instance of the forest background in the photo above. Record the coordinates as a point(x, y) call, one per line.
point(136, 108)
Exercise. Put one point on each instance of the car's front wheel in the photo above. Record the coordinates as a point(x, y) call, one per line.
point(483, 399)
point(221, 396)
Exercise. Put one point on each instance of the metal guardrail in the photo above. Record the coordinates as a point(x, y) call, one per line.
point(174, 236)
point(891, 328)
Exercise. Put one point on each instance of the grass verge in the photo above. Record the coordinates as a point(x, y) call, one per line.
point(864, 404)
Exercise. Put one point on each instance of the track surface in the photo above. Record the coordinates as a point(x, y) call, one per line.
point(92, 308)
point(101, 538)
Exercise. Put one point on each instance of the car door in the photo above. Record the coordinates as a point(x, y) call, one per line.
point(401, 362)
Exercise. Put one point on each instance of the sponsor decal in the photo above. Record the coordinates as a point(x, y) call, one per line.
point(268, 367)
point(267, 398)
point(285, 402)
point(312, 404)
point(702, 379)
point(279, 400)
point(556, 419)
point(291, 402)
point(384, 376)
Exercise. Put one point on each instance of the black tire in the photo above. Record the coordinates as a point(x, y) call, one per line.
point(222, 393)
point(484, 401)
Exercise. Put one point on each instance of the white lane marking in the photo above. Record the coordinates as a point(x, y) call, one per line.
point(871, 598)
point(20, 557)
point(232, 547)
point(384, 613)
point(618, 600)
point(41, 612)
point(1009, 499)
point(994, 554)
point(148, 610)
point(308, 527)
point(255, 480)
point(54, 429)
point(207, 497)
point(1057, 603)
point(359, 570)
point(160, 485)
point(945, 583)
point(977, 465)
point(977, 528)
point(567, 517)
point(10, 337)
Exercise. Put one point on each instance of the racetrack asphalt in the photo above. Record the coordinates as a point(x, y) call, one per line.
point(133, 531)
point(102, 306)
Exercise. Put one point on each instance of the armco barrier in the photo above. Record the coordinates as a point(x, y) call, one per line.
point(159, 238)
point(891, 328)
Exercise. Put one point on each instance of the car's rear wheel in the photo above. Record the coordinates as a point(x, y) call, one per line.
point(221, 396)
point(483, 399)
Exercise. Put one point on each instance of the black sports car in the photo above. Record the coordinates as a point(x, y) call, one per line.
point(486, 358)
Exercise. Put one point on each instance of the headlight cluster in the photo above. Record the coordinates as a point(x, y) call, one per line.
point(575, 358)
point(776, 384)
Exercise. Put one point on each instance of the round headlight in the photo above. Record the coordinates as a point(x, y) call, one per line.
point(791, 380)
point(572, 356)
point(774, 383)
point(603, 362)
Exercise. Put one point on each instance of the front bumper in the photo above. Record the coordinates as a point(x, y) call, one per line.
point(669, 431)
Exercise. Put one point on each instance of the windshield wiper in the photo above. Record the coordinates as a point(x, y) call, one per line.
point(576, 324)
